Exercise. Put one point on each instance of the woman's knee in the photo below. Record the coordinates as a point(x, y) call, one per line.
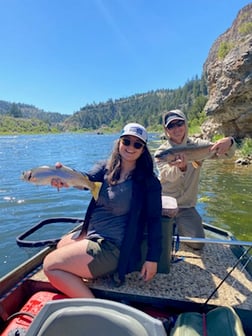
point(48, 264)
point(66, 240)
point(45, 265)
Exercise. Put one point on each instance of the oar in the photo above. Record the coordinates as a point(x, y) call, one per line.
point(214, 241)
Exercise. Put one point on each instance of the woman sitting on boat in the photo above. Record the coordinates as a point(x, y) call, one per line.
point(110, 240)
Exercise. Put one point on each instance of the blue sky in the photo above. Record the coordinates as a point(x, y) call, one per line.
point(60, 55)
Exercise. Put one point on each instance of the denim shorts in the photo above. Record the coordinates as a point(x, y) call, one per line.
point(105, 254)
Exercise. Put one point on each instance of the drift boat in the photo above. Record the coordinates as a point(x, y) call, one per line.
point(198, 282)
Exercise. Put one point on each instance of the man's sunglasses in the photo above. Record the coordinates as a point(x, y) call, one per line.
point(178, 123)
point(126, 142)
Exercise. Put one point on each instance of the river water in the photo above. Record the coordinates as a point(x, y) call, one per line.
point(225, 194)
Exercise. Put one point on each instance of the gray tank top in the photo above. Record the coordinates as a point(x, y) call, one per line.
point(110, 215)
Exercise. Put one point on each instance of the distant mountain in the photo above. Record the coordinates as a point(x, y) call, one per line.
point(18, 110)
point(146, 108)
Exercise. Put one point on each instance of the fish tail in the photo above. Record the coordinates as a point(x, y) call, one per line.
point(96, 189)
point(196, 164)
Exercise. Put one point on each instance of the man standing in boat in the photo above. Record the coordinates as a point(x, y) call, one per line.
point(180, 178)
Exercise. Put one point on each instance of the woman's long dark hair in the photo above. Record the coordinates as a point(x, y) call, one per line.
point(144, 164)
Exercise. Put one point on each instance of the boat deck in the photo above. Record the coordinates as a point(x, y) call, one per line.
point(192, 278)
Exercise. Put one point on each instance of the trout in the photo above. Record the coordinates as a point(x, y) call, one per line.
point(193, 153)
point(44, 175)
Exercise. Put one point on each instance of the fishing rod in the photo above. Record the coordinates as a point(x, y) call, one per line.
point(228, 274)
point(214, 241)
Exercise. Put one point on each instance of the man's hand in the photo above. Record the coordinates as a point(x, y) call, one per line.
point(222, 146)
point(180, 162)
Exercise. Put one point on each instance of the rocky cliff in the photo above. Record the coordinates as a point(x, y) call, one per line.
point(228, 72)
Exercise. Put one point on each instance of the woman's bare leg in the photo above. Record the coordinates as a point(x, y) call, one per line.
point(69, 284)
point(66, 266)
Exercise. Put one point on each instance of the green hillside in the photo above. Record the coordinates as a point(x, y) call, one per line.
point(146, 108)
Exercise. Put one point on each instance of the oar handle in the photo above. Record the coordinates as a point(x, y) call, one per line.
point(214, 241)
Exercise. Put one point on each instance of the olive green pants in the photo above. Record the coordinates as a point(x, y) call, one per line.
point(105, 254)
point(189, 224)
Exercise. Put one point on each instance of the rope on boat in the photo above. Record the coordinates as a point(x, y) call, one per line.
point(21, 239)
point(19, 283)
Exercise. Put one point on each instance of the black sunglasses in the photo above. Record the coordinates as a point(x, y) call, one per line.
point(178, 123)
point(126, 142)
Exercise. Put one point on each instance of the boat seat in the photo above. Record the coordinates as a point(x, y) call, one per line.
point(99, 317)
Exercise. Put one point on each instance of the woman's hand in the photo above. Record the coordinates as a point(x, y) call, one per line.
point(149, 270)
point(57, 182)
point(58, 165)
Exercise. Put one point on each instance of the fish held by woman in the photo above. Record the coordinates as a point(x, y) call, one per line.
point(44, 175)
